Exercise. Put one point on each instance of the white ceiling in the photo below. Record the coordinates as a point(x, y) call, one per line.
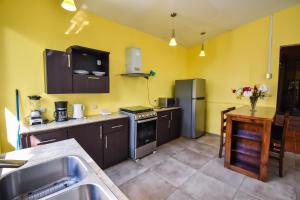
point(194, 16)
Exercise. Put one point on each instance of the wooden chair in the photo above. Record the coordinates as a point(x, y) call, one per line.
point(223, 129)
point(277, 142)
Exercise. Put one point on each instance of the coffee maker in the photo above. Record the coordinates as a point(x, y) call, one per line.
point(61, 111)
point(35, 110)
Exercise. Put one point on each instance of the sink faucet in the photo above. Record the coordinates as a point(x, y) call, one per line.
point(11, 163)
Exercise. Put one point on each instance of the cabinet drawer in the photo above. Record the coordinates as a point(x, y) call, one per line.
point(115, 125)
point(164, 114)
point(47, 137)
point(90, 84)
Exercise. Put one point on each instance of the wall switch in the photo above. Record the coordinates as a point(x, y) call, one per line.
point(94, 107)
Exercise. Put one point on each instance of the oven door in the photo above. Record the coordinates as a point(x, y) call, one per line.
point(145, 131)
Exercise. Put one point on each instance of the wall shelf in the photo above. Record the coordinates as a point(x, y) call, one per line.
point(144, 75)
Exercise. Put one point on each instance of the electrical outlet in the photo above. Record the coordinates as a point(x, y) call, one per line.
point(94, 107)
point(42, 109)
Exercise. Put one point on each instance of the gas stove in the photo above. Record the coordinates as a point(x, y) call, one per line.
point(142, 130)
point(139, 112)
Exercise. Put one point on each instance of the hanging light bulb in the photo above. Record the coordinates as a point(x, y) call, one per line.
point(173, 42)
point(69, 5)
point(202, 52)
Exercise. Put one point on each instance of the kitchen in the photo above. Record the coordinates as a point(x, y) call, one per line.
point(28, 28)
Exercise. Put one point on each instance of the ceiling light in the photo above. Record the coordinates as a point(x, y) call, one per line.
point(69, 5)
point(202, 52)
point(173, 42)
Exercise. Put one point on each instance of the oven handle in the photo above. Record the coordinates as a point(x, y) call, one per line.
point(147, 120)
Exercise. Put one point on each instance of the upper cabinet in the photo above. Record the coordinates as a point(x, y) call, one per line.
point(78, 70)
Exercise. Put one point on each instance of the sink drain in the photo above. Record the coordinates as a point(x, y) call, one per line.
point(48, 189)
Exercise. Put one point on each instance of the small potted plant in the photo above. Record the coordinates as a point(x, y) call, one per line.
point(254, 93)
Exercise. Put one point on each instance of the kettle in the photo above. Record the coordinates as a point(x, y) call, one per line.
point(78, 111)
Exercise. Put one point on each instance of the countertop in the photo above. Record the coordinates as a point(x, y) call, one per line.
point(70, 123)
point(165, 109)
point(260, 113)
point(43, 153)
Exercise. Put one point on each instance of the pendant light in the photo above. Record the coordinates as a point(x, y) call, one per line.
point(69, 5)
point(173, 42)
point(202, 52)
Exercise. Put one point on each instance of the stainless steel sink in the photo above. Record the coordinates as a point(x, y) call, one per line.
point(43, 179)
point(84, 192)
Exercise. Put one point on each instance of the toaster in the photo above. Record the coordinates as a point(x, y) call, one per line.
point(167, 102)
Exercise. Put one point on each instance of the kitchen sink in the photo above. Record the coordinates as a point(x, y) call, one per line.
point(84, 192)
point(43, 179)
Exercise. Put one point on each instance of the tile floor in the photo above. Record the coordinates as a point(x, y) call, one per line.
point(186, 169)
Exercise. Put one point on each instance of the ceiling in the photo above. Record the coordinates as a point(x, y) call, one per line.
point(194, 16)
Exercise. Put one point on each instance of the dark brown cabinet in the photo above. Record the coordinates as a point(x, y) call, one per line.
point(168, 125)
point(116, 141)
point(90, 137)
point(44, 137)
point(106, 142)
point(58, 72)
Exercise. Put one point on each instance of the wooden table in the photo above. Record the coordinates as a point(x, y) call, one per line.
point(248, 140)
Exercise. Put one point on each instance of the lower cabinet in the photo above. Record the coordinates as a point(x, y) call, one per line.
point(90, 137)
point(116, 141)
point(168, 125)
point(106, 142)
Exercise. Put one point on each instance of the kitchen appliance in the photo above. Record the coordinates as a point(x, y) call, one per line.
point(142, 131)
point(61, 111)
point(133, 60)
point(167, 102)
point(191, 98)
point(78, 111)
point(35, 110)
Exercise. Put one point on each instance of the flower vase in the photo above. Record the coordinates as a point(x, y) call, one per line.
point(253, 101)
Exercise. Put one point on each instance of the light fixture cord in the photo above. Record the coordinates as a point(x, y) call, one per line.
point(149, 100)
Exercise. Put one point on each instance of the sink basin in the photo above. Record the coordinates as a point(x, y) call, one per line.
point(84, 192)
point(42, 179)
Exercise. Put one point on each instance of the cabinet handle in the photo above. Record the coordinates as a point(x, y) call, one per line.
point(69, 61)
point(105, 142)
point(100, 132)
point(94, 78)
point(169, 124)
point(46, 141)
point(118, 126)
point(171, 115)
point(164, 116)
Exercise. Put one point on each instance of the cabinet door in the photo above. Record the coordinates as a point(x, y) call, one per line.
point(58, 72)
point(90, 84)
point(47, 137)
point(163, 127)
point(90, 138)
point(116, 141)
point(175, 123)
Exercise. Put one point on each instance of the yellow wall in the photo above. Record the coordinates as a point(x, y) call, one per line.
point(239, 57)
point(28, 27)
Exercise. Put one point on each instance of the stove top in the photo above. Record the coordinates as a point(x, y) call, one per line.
point(136, 109)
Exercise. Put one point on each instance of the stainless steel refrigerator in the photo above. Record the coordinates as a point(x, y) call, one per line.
point(191, 98)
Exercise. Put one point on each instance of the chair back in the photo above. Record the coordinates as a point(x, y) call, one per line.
point(224, 118)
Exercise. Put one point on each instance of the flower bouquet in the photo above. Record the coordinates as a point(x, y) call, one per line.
point(254, 93)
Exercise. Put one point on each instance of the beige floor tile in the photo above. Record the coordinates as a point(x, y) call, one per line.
point(210, 139)
point(191, 158)
point(243, 196)
point(147, 186)
point(215, 168)
point(180, 195)
point(200, 186)
point(170, 149)
point(173, 171)
point(267, 190)
point(205, 149)
point(153, 159)
point(124, 171)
